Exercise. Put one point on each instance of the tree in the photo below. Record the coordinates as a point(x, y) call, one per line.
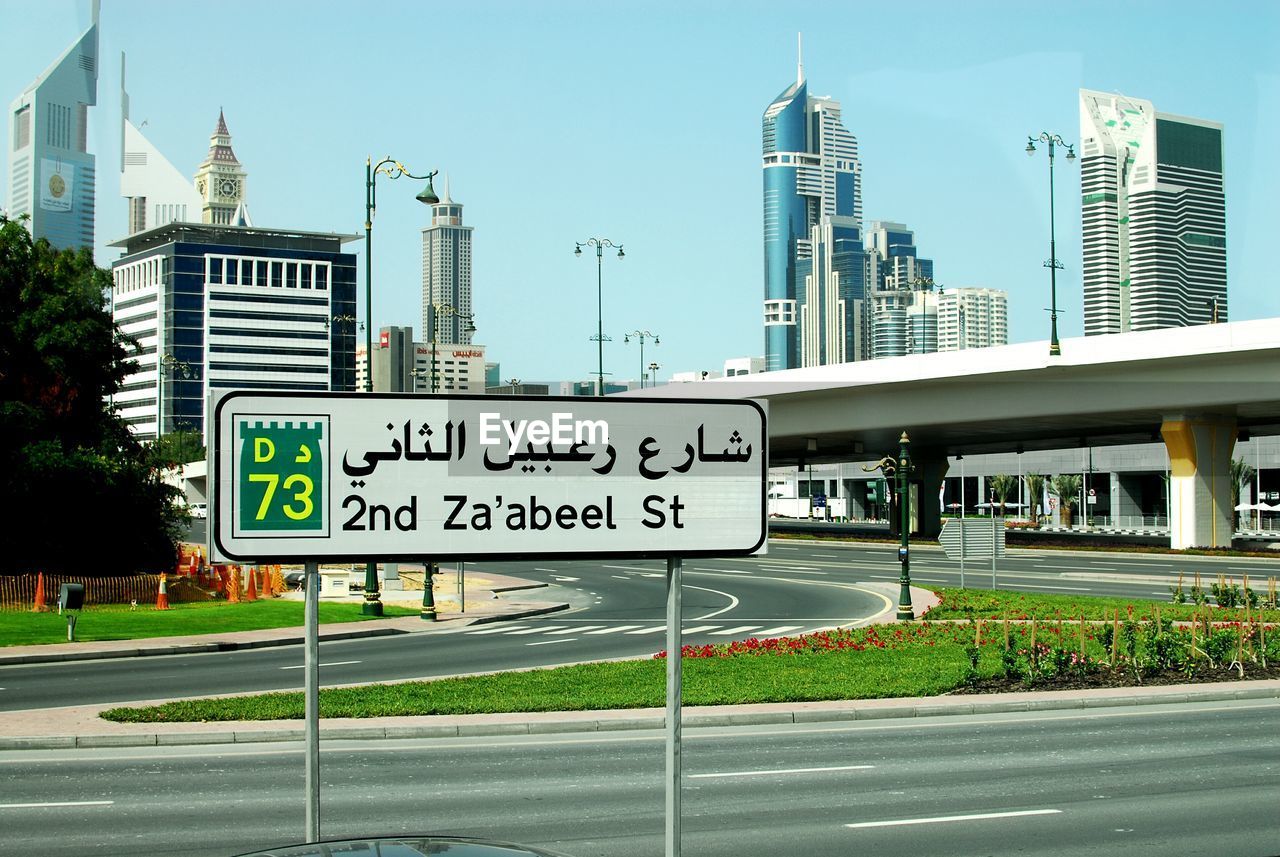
point(1241, 476)
point(1035, 494)
point(179, 447)
point(1002, 485)
point(82, 494)
point(1067, 488)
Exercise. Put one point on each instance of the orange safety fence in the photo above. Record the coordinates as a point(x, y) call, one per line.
point(18, 591)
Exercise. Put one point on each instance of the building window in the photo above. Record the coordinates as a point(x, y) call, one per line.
point(779, 312)
point(22, 128)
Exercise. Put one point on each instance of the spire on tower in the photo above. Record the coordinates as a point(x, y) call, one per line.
point(799, 58)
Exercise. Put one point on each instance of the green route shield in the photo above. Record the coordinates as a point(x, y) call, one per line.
point(279, 483)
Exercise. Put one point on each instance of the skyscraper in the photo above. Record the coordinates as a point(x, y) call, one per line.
point(812, 201)
point(51, 173)
point(157, 192)
point(972, 318)
point(1153, 216)
point(903, 305)
point(446, 274)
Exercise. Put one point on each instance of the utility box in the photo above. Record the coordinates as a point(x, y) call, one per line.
point(71, 597)
point(333, 583)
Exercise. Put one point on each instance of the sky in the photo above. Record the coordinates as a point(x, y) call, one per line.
point(556, 122)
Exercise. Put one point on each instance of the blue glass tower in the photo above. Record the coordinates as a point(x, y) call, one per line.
point(812, 200)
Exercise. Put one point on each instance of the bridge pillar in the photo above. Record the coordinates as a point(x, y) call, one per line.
point(926, 508)
point(1200, 447)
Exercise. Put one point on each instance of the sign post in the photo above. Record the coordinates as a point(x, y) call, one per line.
point(334, 477)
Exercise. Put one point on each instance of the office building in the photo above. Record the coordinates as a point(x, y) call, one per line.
point(52, 175)
point(813, 284)
point(227, 307)
point(221, 181)
point(402, 365)
point(446, 275)
point(972, 318)
point(1153, 213)
point(903, 317)
point(156, 191)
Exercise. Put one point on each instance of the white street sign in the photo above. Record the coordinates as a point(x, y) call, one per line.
point(981, 537)
point(352, 476)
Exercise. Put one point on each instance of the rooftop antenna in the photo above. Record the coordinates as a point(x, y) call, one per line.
point(799, 58)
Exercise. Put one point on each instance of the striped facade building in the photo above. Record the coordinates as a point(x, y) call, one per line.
point(226, 307)
point(1154, 221)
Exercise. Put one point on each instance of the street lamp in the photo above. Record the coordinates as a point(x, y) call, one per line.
point(901, 470)
point(924, 285)
point(600, 338)
point(653, 374)
point(446, 310)
point(168, 363)
point(392, 169)
point(1053, 264)
point(642, 335)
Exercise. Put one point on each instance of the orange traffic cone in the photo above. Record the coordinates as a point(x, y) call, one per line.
point(251, 594)
point(233, 584)
point(40, 606)
point(267, 591)
point(162, 597)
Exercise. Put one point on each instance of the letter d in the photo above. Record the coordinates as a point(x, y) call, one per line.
point(263, 449)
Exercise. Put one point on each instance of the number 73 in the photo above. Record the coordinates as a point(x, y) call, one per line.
point(301, 496)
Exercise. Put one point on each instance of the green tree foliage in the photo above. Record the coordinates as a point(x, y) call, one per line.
point(179, 447)
point(1035, 491)
point(1241, 476)
point(1067, 487)
point(80, 493)
point(1003, 486)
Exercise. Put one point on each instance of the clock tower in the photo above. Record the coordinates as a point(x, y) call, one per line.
point(220, 181)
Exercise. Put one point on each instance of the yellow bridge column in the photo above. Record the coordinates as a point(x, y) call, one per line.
point(1200, 447)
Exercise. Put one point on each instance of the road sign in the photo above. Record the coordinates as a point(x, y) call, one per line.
point(981, 536)
point(348, 476)
point(819, 501)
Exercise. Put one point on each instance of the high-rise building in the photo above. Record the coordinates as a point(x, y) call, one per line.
point(51, 173)
point(220, 180)
point(1154, 219)
point(972, 318)
point(903, 317)
point(812, 211)
point(227, 307)
point(446, 275)
point(157, 192)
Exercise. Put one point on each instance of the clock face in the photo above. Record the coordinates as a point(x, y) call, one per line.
point(200, 187)
point(227, 187)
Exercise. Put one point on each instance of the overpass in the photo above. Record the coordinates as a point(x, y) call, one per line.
point(1197, 388)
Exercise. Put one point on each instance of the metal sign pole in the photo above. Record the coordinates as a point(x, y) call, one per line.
point(674, 645)
point(994, 541)
point(311, 669)
point(462, 587)
point(962, 522)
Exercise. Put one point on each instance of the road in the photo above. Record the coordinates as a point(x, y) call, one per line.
point(1155, 780)
point(617, 610)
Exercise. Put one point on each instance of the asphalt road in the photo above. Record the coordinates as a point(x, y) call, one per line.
point(1146, 782)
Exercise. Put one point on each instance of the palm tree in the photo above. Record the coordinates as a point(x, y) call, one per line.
point(1035, 491)
point(1241, 475)
point(1067, 487)
point(1002, 485)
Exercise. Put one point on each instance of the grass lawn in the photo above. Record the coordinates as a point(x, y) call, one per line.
point(985, 604)
point(20, 628)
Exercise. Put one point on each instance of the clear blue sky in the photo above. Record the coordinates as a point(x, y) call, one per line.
point(640, 122)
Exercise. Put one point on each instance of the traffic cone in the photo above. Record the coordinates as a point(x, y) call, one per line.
point(266, 583)
point(233, 584)
point(162, 597)
point(40, 606)
point(251, 594)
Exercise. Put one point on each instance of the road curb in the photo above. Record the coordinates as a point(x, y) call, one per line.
point(854, 711)
point(238, 645)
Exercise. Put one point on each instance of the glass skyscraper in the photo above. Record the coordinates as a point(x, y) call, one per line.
point(51, 173)
point(1154, 218)
point(814, 265)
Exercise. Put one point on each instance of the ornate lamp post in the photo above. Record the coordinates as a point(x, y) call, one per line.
point(642, 335)
point(392, 169)
point(1053, 264)
point(168, 363)
point(902, 469)
point(653, 374)
point(600, 338)
point(446, 310)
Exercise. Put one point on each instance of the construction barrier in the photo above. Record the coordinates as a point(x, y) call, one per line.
point(162, 597)
point(18, 591)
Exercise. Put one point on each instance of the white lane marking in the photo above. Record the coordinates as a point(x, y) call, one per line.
point(1149, 594)
point(334, 664)
point(722, 570)
point(580, 629)
point(774, 567)
point(500, 629)
point(798, 571)
point(782, 548)
point(738, 630)
point(698, 629)
point(549, 642)
point(733, 602)
point(1055, 588)
point(782, 771)
point(781, 629)
point(535, 568)
point(624, 567)
point(981, 816)
point(56, 803)
point(620, 577)
point(656, 630)
point(828, 555)
point(616, 630)
point(563, 579)
point(542, 628)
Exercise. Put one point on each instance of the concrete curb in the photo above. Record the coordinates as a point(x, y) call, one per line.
point(646, 719)
point(230, 645)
